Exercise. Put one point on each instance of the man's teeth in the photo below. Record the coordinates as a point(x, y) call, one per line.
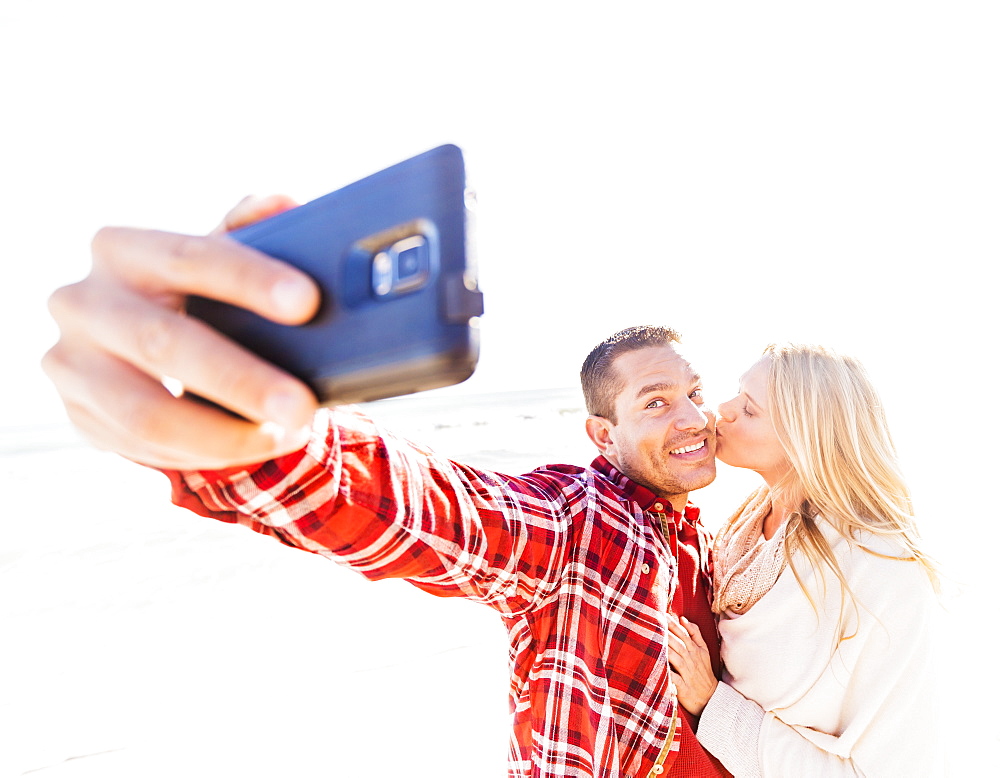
point(687, 449)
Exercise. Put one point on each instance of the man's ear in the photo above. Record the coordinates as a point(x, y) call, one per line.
point(599, 431)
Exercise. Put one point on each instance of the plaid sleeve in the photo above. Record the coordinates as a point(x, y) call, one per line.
point(391, 509)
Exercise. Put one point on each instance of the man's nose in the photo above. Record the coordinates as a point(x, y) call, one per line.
point(695, 418)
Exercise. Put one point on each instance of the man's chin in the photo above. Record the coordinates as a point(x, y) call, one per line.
point(703, 479)
point(691, 482)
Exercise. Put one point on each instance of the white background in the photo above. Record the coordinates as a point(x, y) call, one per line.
point(742, 172)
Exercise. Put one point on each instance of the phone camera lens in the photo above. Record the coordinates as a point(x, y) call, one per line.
point(411, 261)
point(403, 267)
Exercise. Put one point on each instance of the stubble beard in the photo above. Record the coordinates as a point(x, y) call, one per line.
point(659, 480)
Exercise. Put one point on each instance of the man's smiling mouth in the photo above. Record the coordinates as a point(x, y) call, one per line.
point(688, 449)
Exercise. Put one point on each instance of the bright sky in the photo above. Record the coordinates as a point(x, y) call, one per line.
point(744, 173)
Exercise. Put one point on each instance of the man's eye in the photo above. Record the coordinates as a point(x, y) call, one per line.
point(697, 394)
point(655, 404)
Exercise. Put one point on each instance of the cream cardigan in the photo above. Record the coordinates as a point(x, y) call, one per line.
point(786, 708)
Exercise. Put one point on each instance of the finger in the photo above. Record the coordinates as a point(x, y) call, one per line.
point(678, 653)
point(161, 342)
point(169, 267)
point(674, 626)
point(676, 629)
point(694, 631)
point(252, 209)
point(129, 412)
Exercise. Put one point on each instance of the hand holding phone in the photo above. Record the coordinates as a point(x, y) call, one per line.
point(122, 328)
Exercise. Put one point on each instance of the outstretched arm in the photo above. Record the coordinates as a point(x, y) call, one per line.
point(342, 490)
point(388, 508)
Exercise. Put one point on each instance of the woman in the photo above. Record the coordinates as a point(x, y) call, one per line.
point(824, 598)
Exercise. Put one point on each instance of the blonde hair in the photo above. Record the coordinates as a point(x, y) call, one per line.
point(833, 428)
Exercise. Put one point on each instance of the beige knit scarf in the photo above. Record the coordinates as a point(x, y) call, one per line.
point(747, 564)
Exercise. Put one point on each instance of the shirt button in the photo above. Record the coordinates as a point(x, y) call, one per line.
point(658, 507)
point(657, 769)
point(645, 568)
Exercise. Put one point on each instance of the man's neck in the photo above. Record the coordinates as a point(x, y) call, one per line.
point(678, 501)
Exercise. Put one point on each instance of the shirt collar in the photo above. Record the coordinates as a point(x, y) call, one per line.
point(640, 495)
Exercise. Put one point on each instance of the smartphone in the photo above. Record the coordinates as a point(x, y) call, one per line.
point(400, 296)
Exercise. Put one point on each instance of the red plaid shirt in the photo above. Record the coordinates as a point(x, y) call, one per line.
point(575, 560)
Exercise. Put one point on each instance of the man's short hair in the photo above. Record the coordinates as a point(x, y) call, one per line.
point(601, 382)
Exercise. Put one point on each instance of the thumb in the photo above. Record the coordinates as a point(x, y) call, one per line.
point(252, 209)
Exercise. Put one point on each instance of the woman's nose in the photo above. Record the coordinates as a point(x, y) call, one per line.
point(727, 412)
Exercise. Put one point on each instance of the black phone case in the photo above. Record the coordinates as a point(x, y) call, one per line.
point(382, 330)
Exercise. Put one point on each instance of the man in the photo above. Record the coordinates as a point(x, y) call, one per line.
point(583, 565)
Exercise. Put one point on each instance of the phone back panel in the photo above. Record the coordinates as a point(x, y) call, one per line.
point(390, 253)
